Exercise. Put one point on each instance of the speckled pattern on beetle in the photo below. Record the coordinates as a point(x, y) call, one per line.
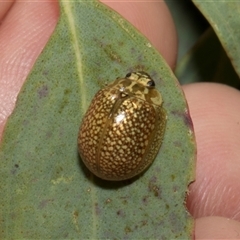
point(123, 129)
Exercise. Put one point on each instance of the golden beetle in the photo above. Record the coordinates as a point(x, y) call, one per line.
point(123, 128)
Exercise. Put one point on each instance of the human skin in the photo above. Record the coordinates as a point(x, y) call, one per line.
point(214, 196)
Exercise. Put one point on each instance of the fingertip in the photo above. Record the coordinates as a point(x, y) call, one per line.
point(24, 32)
point(4, 8)
point(214, 109)
point(216, 228)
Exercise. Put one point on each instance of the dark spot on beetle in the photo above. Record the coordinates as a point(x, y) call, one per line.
point(43, 92)
point(136, 88)
point(128, 75)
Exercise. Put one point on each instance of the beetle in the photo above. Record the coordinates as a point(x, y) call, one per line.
point(123, 128)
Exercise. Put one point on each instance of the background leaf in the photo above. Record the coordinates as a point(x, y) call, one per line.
point(207, 61)
point(224, 18)
point(46, 192)
point(201, 56)
point(189, 22)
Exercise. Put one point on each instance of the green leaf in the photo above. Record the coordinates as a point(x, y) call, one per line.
point(189, 22)
point(224, 18)
point(46, 192)
point(207, 61)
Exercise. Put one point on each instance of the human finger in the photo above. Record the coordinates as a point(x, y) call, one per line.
point(23, 34)
point(4, 7)
point(216, 228)
point(215, 112)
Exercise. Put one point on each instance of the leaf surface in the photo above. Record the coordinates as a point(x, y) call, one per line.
point(46, 192)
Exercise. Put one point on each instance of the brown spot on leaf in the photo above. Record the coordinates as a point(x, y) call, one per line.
point(15, 169)
point(156, 191)
point(13, 216)
point(177, 144)
point(128, 230)
point(143, 223)
point(75, 213)
point(97, 209)
point(120, 213)
point(43, 92)
point(112, 54)
point(152, 187)
point(44, 203)
point(108, 200)
point(124, 200)
point(188, 120)
point(67, 91)
point(145, 200)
